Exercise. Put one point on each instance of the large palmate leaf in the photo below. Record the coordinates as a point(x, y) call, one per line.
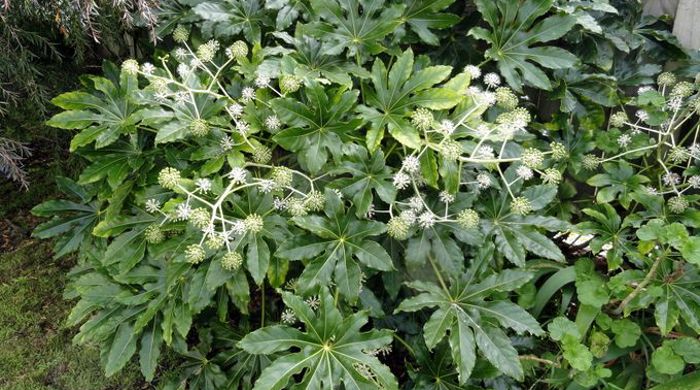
point(330, 351)
point(397, 92)
point(515, 235)
point(473, 312)
point(318, 126)
point(369, 176)
point(422, 16)
point(309, 63)
point(337, 241)
point(71, 221)
point(514, 35)
point(231, 18)
point(358, 26)
point(103, 113)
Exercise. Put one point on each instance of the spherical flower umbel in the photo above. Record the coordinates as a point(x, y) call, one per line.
point(238, 175)
point(152, 206)
point(296, 207)
point(200, 218)
point(426, 220)
point(169, 178)
point(532, 158)
point(231, 261)
point(235, 110)
point(262, 81)
point(524, 173)
point(207, 51)
point(618, 119)
point(398, 228)
point(247, 94)
point(666, 79)
point(272, 123)
point(468, 219)
point(671, 179)
point(552, 176)
point(483, 180)
point(203, 185)
point(195, 254)
point(410, 164)
point(447, 127)
point(590, 162)
point(215, 242)
point(451, 149)
point(683, 89)
point(148, 68)
point(678, 204)
point(262, 154)
point(130, 66)
point(473, 71)
point(521, 205)
point(679, 155)
point(624, 140)
point(238, 50)
point(401, 180)
point(446, 197)
point(289, 84)
point(153, 234)
point(315, 201)
point(422, 118)
point(180, 34)
point(559, 151)
point(694, 182)
point(254, 223)
point(199, 127)
point(282, 176)
point(492, 80)
point(506, 98)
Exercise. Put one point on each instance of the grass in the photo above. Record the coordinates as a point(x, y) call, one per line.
point(36, 350)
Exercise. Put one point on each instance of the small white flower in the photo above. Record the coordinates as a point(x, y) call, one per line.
point(447, 127)
point(411, 164)
point(273, 123)
point(203, 185)
point(446, 197)
point(645, 88)
point(695, 150)
point(473, 90)
point(267, 185)
point(288, 317)
point(409, 216)
point(226, 143)
point(675, 103)
point(426, 220)
point(238, 175)
point(247, 94)
point(651, 190)
point(209, 230)
point(486, 98)
point(482, 131)
point(671, 179)
point(152, 206)
point(183, 211)
point(484, 152)
point(235, 110)
point(147, 68)
point(401, 180)
point(624, 140)
point(180, 53)
point(694, 181)
point(642, 115)
point(238, 227)
point(492, 80)
point(483, 180)
point(473, 71)
point(242, 127)
point(262, 81)
point(415, 203)
point(279, 204)
point(182, 97)
point(524, 173)
point(183, 70)
point(314, 302)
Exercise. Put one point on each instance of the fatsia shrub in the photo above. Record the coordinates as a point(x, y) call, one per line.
point(320, 207)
